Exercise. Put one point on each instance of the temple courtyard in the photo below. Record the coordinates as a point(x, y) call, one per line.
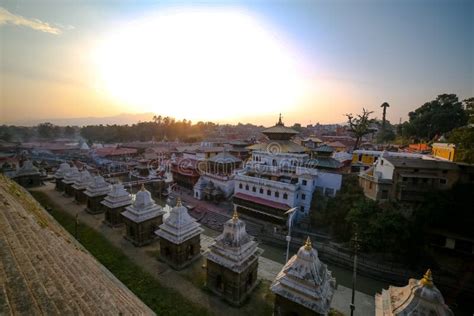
point(189, 282)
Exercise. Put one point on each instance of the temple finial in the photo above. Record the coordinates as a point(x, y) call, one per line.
point(307, 244)
point(279, 121)
point(235, 216)
point(427, 278)
point(178, 202)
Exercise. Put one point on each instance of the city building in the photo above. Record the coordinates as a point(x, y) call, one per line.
point(444, 151)
point(180, 238)
point(407, 179)
point(95, 192)
point(80, 186)
point(217, 179)
point(304, 286)
point(142, 218)
point(232, 262)
point(364, 159)
point(69, 179)
point(28, 175)
point(278, 177)
point(60, 174)
point(114, 204)
point(419, 297)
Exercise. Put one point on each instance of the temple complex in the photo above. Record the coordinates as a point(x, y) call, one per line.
point(60, 174)
point(304, 286)
point(142, 218)
point(28, 175)
point(95, 192)
point(80, 186)
point(278, 177)
point(180, 238)
point(114, 204)
point(419, 297)
point(69, 179)
point(232, 262)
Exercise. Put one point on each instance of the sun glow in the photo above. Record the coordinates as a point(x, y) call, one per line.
point(199, 64)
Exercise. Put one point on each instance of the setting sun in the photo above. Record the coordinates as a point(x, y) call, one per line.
point(199, 64)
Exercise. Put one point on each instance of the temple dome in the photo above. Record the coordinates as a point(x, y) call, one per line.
point(62, 170)
point(143, 199)
point(143, 207)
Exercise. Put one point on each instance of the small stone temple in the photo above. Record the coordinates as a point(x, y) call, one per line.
point(232, 262)
point(81, 185)
point(419, 297)
point(69, 180)
point(59, 176)
point(142, 218)
point(304, 286)
point(180, 238)
point(28, 175)
point(96, 191)
point(114, 204)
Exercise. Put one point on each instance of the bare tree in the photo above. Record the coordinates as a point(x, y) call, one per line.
point(359, 125)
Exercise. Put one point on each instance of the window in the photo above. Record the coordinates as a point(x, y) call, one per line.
point(304, 182)
point(303, 196)
point(269, 192)
point(302, 209)
point(285, 196)
point(240, 185)
point(277, 194)
point(442, 181)
point(370, 184)
point(254, 189)
point(329, 192)
point(247, 187)
point(261, 191)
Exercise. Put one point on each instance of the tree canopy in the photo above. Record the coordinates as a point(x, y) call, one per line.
point(359, 125)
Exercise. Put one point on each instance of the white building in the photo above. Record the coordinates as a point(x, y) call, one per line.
point(278, 177)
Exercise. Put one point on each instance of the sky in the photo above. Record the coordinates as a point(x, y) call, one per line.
point(231, 61)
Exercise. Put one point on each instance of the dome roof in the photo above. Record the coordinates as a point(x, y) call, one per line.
point(63, 168)
point(143, 208)
point(117, 197)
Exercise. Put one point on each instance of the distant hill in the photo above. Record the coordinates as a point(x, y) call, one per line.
point(120, 119)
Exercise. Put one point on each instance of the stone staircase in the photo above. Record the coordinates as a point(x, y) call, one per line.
point(44, 271)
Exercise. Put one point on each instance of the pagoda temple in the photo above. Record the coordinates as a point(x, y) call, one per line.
point(142, 218)
point(114, 204)
point(180, 238)
point(69, 179)
point(232, 262)
point(60, 174)
point(304, 286)
point(419, 297)
point(80, 186)
point(28, 175)
point(95, 192)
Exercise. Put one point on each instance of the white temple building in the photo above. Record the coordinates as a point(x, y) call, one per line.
point(280, 176)
point(142, 218)
point(81, 184)
point(70, 179)
point(232, 262)
point(60, 174)
point(114, 204)
point(97, 189)
point(419, 297)
point(180, 241)
point(304, 286)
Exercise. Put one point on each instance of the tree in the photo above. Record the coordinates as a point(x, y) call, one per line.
point(69, 131)
point(47, 130)
point(359, 125)
point(436, 118)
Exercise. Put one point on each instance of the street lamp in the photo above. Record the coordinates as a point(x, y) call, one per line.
point(290, 213)
point(355, 242)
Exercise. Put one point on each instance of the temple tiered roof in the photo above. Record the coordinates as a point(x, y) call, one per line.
point(62, 170)
point(305, 280)
point(143, 208)
point(117, 197)
point(179, 226)
point(97, 187)
point(419, 297)
point(27, 169)
point(83, 181)
point(234, 249)
point(71, 176)
point(279, 131)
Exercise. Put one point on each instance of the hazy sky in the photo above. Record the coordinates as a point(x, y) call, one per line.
point(232, 61)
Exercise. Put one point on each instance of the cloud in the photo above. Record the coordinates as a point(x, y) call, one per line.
point(6, 17)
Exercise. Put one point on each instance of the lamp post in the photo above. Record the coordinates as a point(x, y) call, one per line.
point(290, 214)
point(355, 243)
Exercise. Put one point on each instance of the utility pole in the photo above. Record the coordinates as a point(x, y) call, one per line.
point(355, 243)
